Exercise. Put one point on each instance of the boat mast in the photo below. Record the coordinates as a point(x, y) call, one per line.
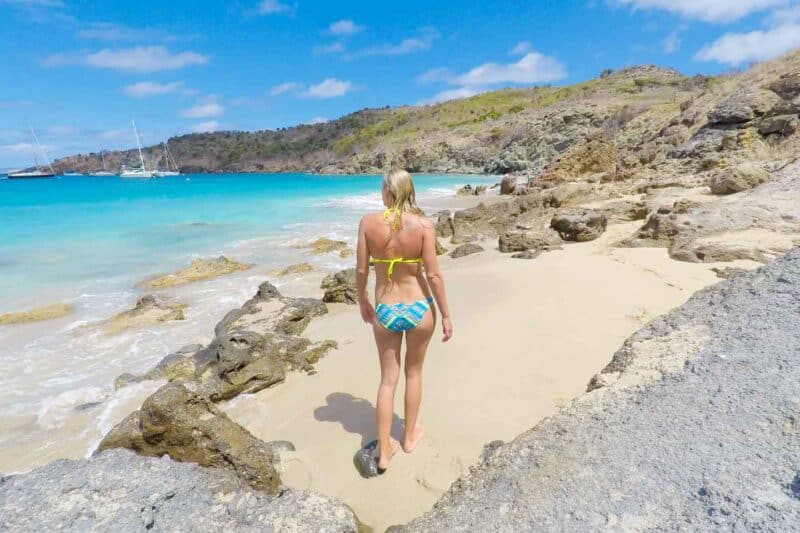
point(138, 144)
point(39, 148)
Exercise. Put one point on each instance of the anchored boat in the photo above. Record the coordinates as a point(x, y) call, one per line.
point(37, 171)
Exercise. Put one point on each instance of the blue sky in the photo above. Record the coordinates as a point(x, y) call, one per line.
point(79, 71)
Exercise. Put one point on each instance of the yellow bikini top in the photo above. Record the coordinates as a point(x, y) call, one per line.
point(392, 262)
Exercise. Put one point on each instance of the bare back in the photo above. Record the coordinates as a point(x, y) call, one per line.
point(408, 241)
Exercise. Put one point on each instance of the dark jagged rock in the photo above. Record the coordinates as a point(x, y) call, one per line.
point(184, 425)
point(465, 249)
point(341, 287)
point(580, 226)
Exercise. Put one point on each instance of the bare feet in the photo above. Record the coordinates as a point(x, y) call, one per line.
point(411, 440)
point(383, 461)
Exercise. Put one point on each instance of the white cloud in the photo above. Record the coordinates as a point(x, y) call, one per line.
point(453, 94)
point(318, 120)
point(114, 135)
point(329, 88)
point(333, 48)
point(435, 74)
point(206, 127)
point(420, 43)
point(673, 41)
point(289, 86)
point(145, 89)
point(521, 48)
point(272, 7)
point(737, 48)
point(136, 59)
point(344, 27)
point(533, 67)
point(718, 11)
point(34, 3)
point(207, 110)
point(18, 148)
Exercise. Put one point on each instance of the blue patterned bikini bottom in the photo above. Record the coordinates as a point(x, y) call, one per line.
point(402, 317)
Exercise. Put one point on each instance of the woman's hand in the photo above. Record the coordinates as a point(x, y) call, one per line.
point(447, 329)
point(367, 311)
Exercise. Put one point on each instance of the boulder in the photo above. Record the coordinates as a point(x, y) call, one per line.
point(579, 226)
point(740, 178)
point(480, 189)
point(440, 250)
point(466, 190)
point(483, 221)
point(118, 490)
point(783, 125)
point(340, 287)
point(199, 270)
point(444, 224)
point(465, 249)
point(742, 106)
point(529, 239)
point(787, 86)
point(508, 184)
point(566, 194)
point(323, 245)
point(180, 423)
point(149, 310)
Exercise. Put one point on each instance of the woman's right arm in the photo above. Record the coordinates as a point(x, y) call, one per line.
point(435, 279)
point(362, 275)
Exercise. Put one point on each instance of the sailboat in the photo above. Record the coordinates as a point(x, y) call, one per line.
point(37, 171)
point(103, 172)
point(170, 164)
point(137, 172)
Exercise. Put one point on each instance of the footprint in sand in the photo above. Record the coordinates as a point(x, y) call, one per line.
point(439, 472)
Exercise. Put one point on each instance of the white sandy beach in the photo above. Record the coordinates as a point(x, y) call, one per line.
point(528, 337)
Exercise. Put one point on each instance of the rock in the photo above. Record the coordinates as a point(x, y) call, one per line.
point(527, 254)
point(118, 490)
point(742, 106)
point(787, 86)
point(508, 184)
point(480, 189)
point(366, 460)
point(566, 194)
point(729, 272)
point(177, 422)
point(340, 287)
point(323, 245)
point(148, 311)
point(579, 226)
point(440, 250)
point(444, 224)
point(47, 312)
point(597, 155)
point(199, 270)
point(240, 362)
point(520, 241)
point(784, 125)
point(465, 249)
point(291, 270)
point(483, 221)
point(740, 178)
point(466, 190)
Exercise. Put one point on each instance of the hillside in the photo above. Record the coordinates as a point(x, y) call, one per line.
point(495, 132)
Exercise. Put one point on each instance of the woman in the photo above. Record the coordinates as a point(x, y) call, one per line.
point(400, 241)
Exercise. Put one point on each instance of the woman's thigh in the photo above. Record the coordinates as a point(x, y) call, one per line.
point(417, 340)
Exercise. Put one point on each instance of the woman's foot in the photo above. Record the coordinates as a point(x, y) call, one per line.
point(411, 440)
point(383, 460)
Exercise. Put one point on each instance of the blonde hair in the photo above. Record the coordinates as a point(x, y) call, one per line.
point(400, 185)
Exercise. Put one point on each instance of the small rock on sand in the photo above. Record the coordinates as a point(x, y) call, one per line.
point(47, 312)
point(149, 310)
point(324, 245)
point(465, 249)
point(299, 268)
point(199, 270)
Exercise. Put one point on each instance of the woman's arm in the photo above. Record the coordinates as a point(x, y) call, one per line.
point(435, 279)
point(362, 275)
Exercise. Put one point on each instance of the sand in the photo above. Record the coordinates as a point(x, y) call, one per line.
point(529, 334)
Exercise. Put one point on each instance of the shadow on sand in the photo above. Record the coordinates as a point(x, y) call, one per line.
point(356, 415)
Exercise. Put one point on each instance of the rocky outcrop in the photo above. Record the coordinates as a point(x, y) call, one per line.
point(118, 490)
point(199, 270)
point(670, 432)
point(579, 226)
point(508, 184)
point(186, 426)
point(340, 287)
point(740, 178)
point(323, 245)
point(47, 312)
point(293, 270)
point(148, 311)
point(444, 224)
point(532, 239)
point(255, 345)
point(465, 249)
point(469, 190)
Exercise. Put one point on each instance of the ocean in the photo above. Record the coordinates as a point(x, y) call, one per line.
point(88, 241)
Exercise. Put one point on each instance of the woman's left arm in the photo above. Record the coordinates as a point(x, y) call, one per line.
point(362, 275)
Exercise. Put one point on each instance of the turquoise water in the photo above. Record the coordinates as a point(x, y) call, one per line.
point(73, 231)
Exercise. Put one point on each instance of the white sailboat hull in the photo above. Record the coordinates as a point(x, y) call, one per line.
point(30, 175)
point(102, 173)
point(165, 173)
point(147, 174)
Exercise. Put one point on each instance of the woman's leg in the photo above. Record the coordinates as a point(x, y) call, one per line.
point(389, 345)
point(417, 340)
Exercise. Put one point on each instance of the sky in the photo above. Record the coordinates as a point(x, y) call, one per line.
point(78, 72)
